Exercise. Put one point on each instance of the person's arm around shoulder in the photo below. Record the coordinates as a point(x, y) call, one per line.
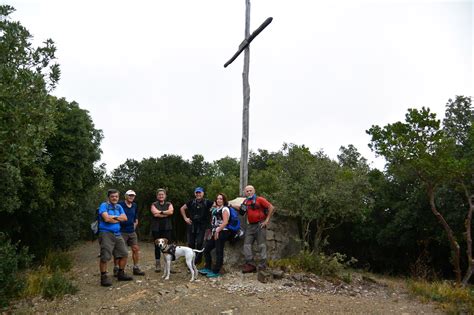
point(271, 210)
point(183, 214)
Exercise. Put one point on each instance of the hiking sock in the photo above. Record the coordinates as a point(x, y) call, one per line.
point(103, 273)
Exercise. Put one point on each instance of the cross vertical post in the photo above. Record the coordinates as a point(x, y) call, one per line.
point(244, 47)
point(244, 171)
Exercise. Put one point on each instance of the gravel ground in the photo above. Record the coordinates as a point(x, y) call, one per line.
point(234, 293)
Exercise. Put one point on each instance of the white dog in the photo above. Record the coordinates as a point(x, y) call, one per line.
point(171, 251)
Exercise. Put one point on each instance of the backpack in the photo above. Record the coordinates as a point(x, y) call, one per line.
point(95, 224)
point(234, 222)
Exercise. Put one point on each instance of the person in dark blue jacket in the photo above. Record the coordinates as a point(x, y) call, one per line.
point(128, 231)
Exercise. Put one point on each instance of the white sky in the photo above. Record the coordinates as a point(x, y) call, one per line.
point(151, 72)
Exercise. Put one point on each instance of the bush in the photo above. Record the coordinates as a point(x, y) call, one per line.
point(58, 261)
point(452, 299)
point(48, 284)
point(321, 264)
point(13, 259)
point(57, 285)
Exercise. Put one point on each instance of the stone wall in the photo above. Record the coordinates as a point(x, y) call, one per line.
point(282, 241)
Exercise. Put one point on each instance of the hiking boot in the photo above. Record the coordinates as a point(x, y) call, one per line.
point(204, 271)
point(213, 274)
point(157, 267)
point(262, 266)
point(248, 268)
point(137, 271)
point(116, 268)
point(121, 276)
point(105, 281)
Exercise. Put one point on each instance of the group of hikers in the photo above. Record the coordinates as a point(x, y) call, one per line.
point(208, 226)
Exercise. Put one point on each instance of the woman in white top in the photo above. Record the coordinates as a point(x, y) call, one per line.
point(220, 234)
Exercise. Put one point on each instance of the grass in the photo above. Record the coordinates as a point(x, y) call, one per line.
point(453, 300)
point(50, 280)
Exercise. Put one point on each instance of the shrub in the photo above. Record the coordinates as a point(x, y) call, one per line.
point(35, 281)
point(57, 285)
point(323, 265)
point(452, 299)
point(58, 260)
point(13, 259)
point(48, 284)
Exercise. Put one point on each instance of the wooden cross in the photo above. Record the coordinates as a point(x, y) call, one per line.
point(244, 46)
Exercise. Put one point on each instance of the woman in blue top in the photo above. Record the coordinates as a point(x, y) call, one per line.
point(220, 218)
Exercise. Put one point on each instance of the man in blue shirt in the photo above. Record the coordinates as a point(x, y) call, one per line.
point(110, 239)
point(127, 229)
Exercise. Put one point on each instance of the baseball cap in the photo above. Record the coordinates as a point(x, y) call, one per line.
point(198, 189)
point(130, 192)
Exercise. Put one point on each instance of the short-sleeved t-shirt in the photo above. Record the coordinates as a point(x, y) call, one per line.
point(132, 216)
point(112, 211)
point(256, 209)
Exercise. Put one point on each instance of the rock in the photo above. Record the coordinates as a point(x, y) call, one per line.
point(278, 274)
point(288, 284)
point(264, 276)
point(227, 312)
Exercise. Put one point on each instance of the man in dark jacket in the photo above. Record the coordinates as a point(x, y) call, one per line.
point(198, 219)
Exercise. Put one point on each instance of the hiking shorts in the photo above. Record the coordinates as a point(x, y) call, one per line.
point(111, 244)
point(130, 238)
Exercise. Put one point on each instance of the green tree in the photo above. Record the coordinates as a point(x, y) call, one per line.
point(420, 148)
point(320, 192)
point(27, 74)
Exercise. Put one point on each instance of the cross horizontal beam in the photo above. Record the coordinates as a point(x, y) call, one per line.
point(246, 42)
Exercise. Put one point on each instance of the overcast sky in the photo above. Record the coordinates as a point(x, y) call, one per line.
point(151, 72)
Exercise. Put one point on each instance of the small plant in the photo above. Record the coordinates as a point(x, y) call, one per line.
point(12, 261)
point(49, 285)
point(58, 260)
point(452, 299)
point(57, 285)
point(347, 277)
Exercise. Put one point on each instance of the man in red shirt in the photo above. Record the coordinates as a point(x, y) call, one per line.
point(259, 211)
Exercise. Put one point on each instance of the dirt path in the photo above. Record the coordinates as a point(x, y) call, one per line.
point(234, 293)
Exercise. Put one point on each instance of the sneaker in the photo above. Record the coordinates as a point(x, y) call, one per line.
point(105, 281)
point(248, 268)
point(122, 276)
point(212, 275)
point(138, 272)
point(204, 271)
point(116, 268)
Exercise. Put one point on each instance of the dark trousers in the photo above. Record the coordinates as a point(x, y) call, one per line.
point(219, 246)
point(196, 239)
point(160, 234)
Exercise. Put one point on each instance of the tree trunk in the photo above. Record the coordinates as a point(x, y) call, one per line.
point(452, 240)
point(318, 236)
point(467, 224)
point(306, 233)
